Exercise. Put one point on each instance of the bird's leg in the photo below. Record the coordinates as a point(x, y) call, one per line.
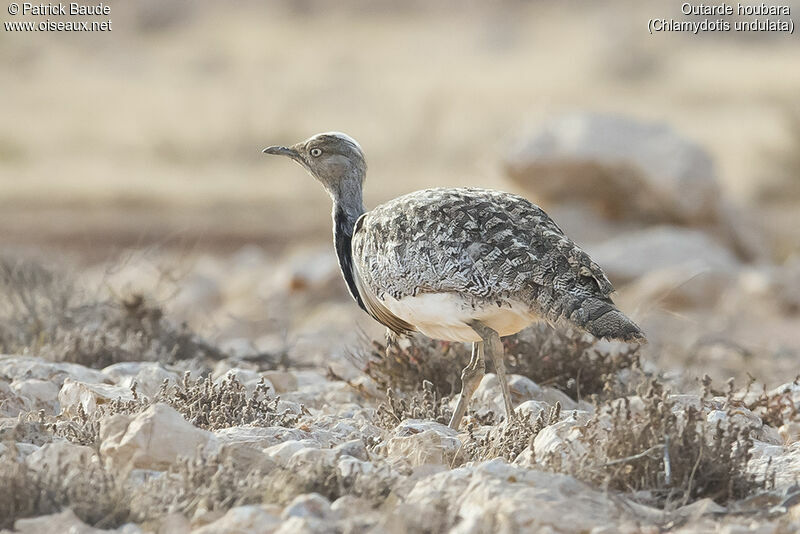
point(494, 347)
point(471, 378)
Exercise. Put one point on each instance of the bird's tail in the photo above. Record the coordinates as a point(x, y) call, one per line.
point(602, 319)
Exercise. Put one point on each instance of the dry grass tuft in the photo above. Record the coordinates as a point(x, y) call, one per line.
point(45, 313)
point(95, 495)
point(668, 455)
point(215, 484)
point(511, 439)
point(405, 363)
point(775, 409)
point(568, 360)
point(422, 404)
point(565, 359)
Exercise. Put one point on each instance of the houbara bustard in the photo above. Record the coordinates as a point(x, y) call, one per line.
point(457, 264)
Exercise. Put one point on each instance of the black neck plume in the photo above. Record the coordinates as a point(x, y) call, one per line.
point(343, 223)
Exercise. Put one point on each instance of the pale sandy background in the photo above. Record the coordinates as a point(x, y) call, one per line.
point(150, 135)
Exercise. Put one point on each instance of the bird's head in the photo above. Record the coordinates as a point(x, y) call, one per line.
point(333, 158)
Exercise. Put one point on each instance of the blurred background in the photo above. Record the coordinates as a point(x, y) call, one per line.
point(133, 157)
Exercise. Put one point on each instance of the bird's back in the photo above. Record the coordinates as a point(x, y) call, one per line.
point(488, 248)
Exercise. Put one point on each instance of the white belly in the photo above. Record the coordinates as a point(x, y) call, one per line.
point(447, 316)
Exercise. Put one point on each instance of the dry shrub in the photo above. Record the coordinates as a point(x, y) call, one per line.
point(218, 484)
point(202, 402)
point(421, 404)
point(200, 483)
point(95, 495)
point(509, 440)
point(669, 456)
point(566, 359)
point(402, 364)
point(286, 483)
point(775, 409)
point(44, 312)
point(105, 499)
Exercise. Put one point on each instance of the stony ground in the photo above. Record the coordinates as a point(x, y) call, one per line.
point(180, 391)
point(159, 429)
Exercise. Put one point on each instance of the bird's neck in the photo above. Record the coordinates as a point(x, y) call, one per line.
point(345, 215)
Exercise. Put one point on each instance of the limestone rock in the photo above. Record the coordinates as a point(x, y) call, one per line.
point(37, 394)
point(153, 439)
point(531, 409)
point(562, 438)
point(309, 505)
point(60, 453)
point(247, 444)
point(421, 443)
point(66, 521)
point(282, 381)
point(621, 167)
point(89, 395)
point(148, 376)
point(282, 452)
point(25, 367)
point(630, 256)
point(497, 497)
point(242, 520)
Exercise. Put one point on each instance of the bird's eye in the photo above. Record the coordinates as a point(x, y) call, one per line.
point(316, 152)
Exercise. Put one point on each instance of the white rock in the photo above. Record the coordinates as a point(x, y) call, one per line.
point(282, 452)
point(248, 378)
point(17, 449)
point(684, 402)
point(309, 505)
point(636, 170)
point(289, 406)
point(12, 404)
point(561, 438)
point(354, 448)
point(312, 456)
point(304, 525)
point(409, 427)
point(23, 367)
point(349, 466)
point(153, 439)
point(282, 381)
point(488, 398)
point(523, 388)
point(552, 395)
point(667, 249)
point(89, 395)
point(37, 394)
point(346, 504)
point(47, 457)
point(242, 519)
point(531, 409)
point(436, 445)
point(498, 497)
point(149, 376)
point(247, 443)
point(66, 521)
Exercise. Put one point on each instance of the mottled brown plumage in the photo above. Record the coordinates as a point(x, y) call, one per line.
point(463, 264)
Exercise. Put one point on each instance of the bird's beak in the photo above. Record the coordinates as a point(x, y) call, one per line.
point(282, 151)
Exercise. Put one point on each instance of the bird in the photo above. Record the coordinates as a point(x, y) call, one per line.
point(460, 264)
